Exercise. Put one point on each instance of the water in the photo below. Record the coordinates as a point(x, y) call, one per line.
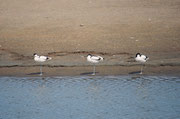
point(97, 97)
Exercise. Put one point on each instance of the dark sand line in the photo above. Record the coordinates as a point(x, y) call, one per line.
point(87, 70)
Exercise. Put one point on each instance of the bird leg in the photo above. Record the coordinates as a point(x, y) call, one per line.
point(41, 70)
point(142, 68)
point(94, 70)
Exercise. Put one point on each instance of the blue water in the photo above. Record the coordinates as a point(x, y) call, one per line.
point(97, 97)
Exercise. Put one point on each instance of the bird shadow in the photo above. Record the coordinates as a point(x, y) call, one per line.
point(135, 72)
point(88, 73)
point(35, 73)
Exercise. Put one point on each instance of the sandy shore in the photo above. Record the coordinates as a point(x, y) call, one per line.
point(69, 30)
point(87, 71)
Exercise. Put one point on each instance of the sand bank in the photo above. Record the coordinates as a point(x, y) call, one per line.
point(69, 30)
point(87, 71)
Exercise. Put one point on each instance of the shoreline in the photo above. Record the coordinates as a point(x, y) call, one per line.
point(87, 71)
point(75, 64)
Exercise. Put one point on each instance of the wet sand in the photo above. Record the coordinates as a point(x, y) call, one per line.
point(69, 30)
point(87, 71)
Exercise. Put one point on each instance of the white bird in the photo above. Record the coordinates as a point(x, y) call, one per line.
point(142, 59)
point(41, 59)
point(94, 59)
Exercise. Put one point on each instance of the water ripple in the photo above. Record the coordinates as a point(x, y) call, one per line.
point(90, 97)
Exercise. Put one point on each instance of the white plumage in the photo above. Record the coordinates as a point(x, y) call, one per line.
point(38, 58)
point(142, 59)
point(94, 59)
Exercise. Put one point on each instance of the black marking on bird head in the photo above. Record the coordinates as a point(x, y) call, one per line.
point(138, 54)
point(89, 55)
point(35, 54)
